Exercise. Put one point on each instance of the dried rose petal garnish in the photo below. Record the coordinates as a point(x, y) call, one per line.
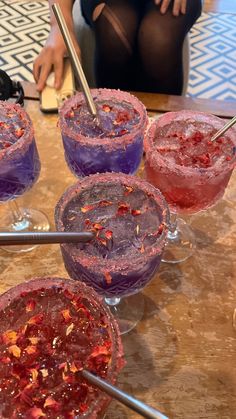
point(40, 359)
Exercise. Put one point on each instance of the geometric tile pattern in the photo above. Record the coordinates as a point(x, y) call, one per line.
point(213, 57)
point(25, 25)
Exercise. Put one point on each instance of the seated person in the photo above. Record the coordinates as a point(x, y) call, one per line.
point(138, 43)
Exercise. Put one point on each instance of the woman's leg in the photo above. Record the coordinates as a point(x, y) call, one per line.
point(160, 42)
point(115, 23)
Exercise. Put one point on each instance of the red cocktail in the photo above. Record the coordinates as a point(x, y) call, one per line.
point(50, 329)
point(112, 142)
point(129, 218)
point(183, 162)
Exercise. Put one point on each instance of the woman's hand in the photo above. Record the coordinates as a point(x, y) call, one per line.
point(179, 6)
point(51, 58)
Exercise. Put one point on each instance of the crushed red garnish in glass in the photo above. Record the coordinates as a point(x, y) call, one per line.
point(52, 335)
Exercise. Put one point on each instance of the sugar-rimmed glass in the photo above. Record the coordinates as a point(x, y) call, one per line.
point(191, 171)
point(50, 328)
point(19, 170)
point(129, 218)
point(113, 142)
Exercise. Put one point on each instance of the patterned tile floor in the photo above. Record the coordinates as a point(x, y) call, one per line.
point(25, 24)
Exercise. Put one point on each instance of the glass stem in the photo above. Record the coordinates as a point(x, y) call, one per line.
point(112, 301)
point(19, 220)
point(173, 231)
point(16, 212)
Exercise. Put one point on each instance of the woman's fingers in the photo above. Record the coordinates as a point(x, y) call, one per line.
point(164, 6)
point(179, 7)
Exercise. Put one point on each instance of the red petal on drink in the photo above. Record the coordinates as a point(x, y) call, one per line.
point(36, 319)
point(123, 209)
point(51, 403)
point(31, 349)
point(105, 203)
point(69, 294)
point(10, 336)
point(102, 241)
point(34, 374)
point(87, 222)
point(87, 208)
point(73, 368)
point(5, 359)
point(63, 365)
point(106, 108)
point(142, 248)
point(135, 212)
point(108, 277)
point(83, 408)
point(15, 351)
point(99, 350)
point(30, 306)
point(44, 372)
point(108, 234)
point(19, 132)
point(66, 315)
point(34, 413)
point(34, 340)
point(128, 190)
point(98, 226)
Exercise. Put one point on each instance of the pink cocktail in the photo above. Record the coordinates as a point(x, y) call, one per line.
point(181, 160)
point(112, 142)
point(129, 218)
point(50, 329)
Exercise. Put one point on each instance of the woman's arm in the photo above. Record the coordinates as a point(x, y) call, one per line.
point(51, 56)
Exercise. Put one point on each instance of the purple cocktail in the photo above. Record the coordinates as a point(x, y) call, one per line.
point(51, 329)
point(181, 160)
point(19, 160)
point(19, 170)
point(129, 218)
point(113, 142)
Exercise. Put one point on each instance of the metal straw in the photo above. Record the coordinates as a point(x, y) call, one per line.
point(134, 404)
point(74, 58)
point(9, 238)
point(224, 129)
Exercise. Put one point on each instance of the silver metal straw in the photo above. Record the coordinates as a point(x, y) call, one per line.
point(10, 238)
point(74, 58)
point(134, 404)
point(224, 129)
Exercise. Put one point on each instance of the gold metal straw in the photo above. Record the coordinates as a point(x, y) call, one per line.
point(142, 408)
point(74, 58)
point(224, 129)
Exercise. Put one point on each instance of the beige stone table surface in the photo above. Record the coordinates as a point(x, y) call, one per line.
point(181, 357)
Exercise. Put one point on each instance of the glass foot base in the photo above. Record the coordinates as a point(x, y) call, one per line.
point(180, 244)
point(127, 311)
point(32, 220)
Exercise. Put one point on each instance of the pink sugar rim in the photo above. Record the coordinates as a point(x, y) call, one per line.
point(23, 142)
point(104, 94)
point(94, 262)
point(153, 157)
point(87, 292)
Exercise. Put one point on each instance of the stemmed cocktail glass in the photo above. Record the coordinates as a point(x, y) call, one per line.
point(191, 171)
point(19, 170)
point(111, 142)
point(129, 218)
point(50, 329)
